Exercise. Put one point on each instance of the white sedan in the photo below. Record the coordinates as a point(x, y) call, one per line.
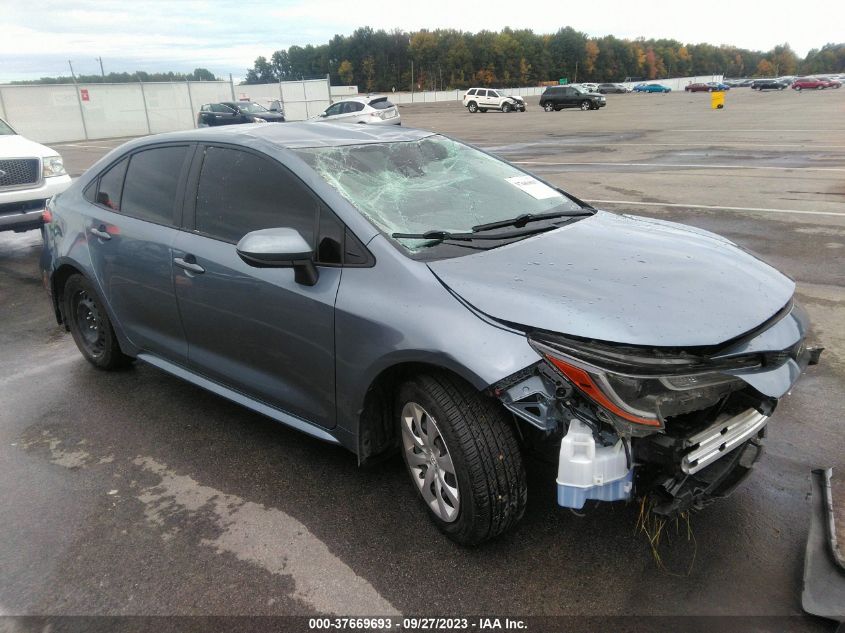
point(370, 110)
point(30, 174)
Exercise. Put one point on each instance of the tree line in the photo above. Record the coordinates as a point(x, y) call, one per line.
point(378, 60)
point(198, 74)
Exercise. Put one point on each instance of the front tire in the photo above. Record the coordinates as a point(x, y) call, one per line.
point(90, 325)
point(461, 452)
point(506, 107)
point(586, 105)
point(549, 107)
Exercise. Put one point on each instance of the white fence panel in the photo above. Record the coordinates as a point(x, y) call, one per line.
point(209, 92)
point(339, 92)
point(48, 114)
point(169, 107)
point(293, 91)
point(114, 110)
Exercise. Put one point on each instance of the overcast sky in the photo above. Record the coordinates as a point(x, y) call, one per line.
point(38, 37)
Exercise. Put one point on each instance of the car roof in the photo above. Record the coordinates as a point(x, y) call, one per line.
point(365, 100)
point(291, 135)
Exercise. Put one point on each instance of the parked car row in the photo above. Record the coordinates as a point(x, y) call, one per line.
point(370, 109)
point(710, 86)
point(782, 83)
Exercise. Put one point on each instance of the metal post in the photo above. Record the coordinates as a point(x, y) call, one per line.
point(191, 103)
point(146, 113)
point(412, 81)
point(102, 72)
point(81, 109)
point(305, 97)
point(232, 86)
point(3, 105)
point(329, 86)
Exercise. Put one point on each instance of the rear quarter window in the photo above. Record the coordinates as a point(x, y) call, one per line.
point(111, 186)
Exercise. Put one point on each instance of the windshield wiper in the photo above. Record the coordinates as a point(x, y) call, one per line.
point(441, 236)
point(521, 220)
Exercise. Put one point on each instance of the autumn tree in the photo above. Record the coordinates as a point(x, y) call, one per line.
point(345, 71)
point(378, 60)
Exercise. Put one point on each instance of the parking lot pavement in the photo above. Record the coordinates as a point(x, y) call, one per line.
point(135, 493)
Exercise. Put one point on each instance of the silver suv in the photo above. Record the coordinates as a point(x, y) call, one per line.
point(483, 99)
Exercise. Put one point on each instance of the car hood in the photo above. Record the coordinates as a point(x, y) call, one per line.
point(622, 279)
point(16, 146)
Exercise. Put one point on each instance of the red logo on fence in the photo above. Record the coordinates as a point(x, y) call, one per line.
point(83, 92)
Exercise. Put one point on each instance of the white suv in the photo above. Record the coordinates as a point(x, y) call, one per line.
point(483, 99)
point(30, 174)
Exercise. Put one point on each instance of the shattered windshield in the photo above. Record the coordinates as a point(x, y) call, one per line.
point(431, 184)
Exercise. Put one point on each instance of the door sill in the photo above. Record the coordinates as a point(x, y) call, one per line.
point(278, 415)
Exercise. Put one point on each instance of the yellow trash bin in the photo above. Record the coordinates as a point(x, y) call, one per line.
point(717, 100)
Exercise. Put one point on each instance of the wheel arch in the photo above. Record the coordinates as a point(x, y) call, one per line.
point(377, 433)
point(57, 285)
point(59, 278)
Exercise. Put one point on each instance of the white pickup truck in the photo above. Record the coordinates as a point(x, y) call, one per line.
point(30, 174)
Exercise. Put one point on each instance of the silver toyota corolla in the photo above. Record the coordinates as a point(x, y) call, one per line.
point(388, 289)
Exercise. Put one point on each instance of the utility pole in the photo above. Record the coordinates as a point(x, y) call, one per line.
point(575, 79)
point(412, 81)
point(102, 72)
point(72, 74)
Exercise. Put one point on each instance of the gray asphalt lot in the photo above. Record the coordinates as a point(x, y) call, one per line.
point(135, 493)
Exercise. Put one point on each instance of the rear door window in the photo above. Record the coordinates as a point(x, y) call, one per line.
point(241, 192)
point(152, 184)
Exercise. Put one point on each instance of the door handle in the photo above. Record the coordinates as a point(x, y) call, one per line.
point(189, 263)
point(100, 233)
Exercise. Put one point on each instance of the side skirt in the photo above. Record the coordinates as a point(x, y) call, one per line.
point(239, 398)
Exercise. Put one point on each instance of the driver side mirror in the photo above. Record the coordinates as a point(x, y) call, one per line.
point(323, 115)
point(280, 248)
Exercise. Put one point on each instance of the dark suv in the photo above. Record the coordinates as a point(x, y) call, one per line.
point(233, 112)
point(558, 97)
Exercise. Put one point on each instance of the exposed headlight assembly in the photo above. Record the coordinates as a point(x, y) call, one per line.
point(642, 387)
point(52, 166)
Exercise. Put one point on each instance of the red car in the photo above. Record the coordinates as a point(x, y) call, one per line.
point(808, 83)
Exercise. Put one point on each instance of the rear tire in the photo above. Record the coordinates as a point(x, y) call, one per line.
point(90, 325)
point(461, 452)
point(472, 106)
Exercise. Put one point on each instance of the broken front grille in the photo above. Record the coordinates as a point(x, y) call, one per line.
point(18, 172)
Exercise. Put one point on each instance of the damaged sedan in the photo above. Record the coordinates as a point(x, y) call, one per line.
point(397, 290)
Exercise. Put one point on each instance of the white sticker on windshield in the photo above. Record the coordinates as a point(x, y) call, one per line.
point(533, 187)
